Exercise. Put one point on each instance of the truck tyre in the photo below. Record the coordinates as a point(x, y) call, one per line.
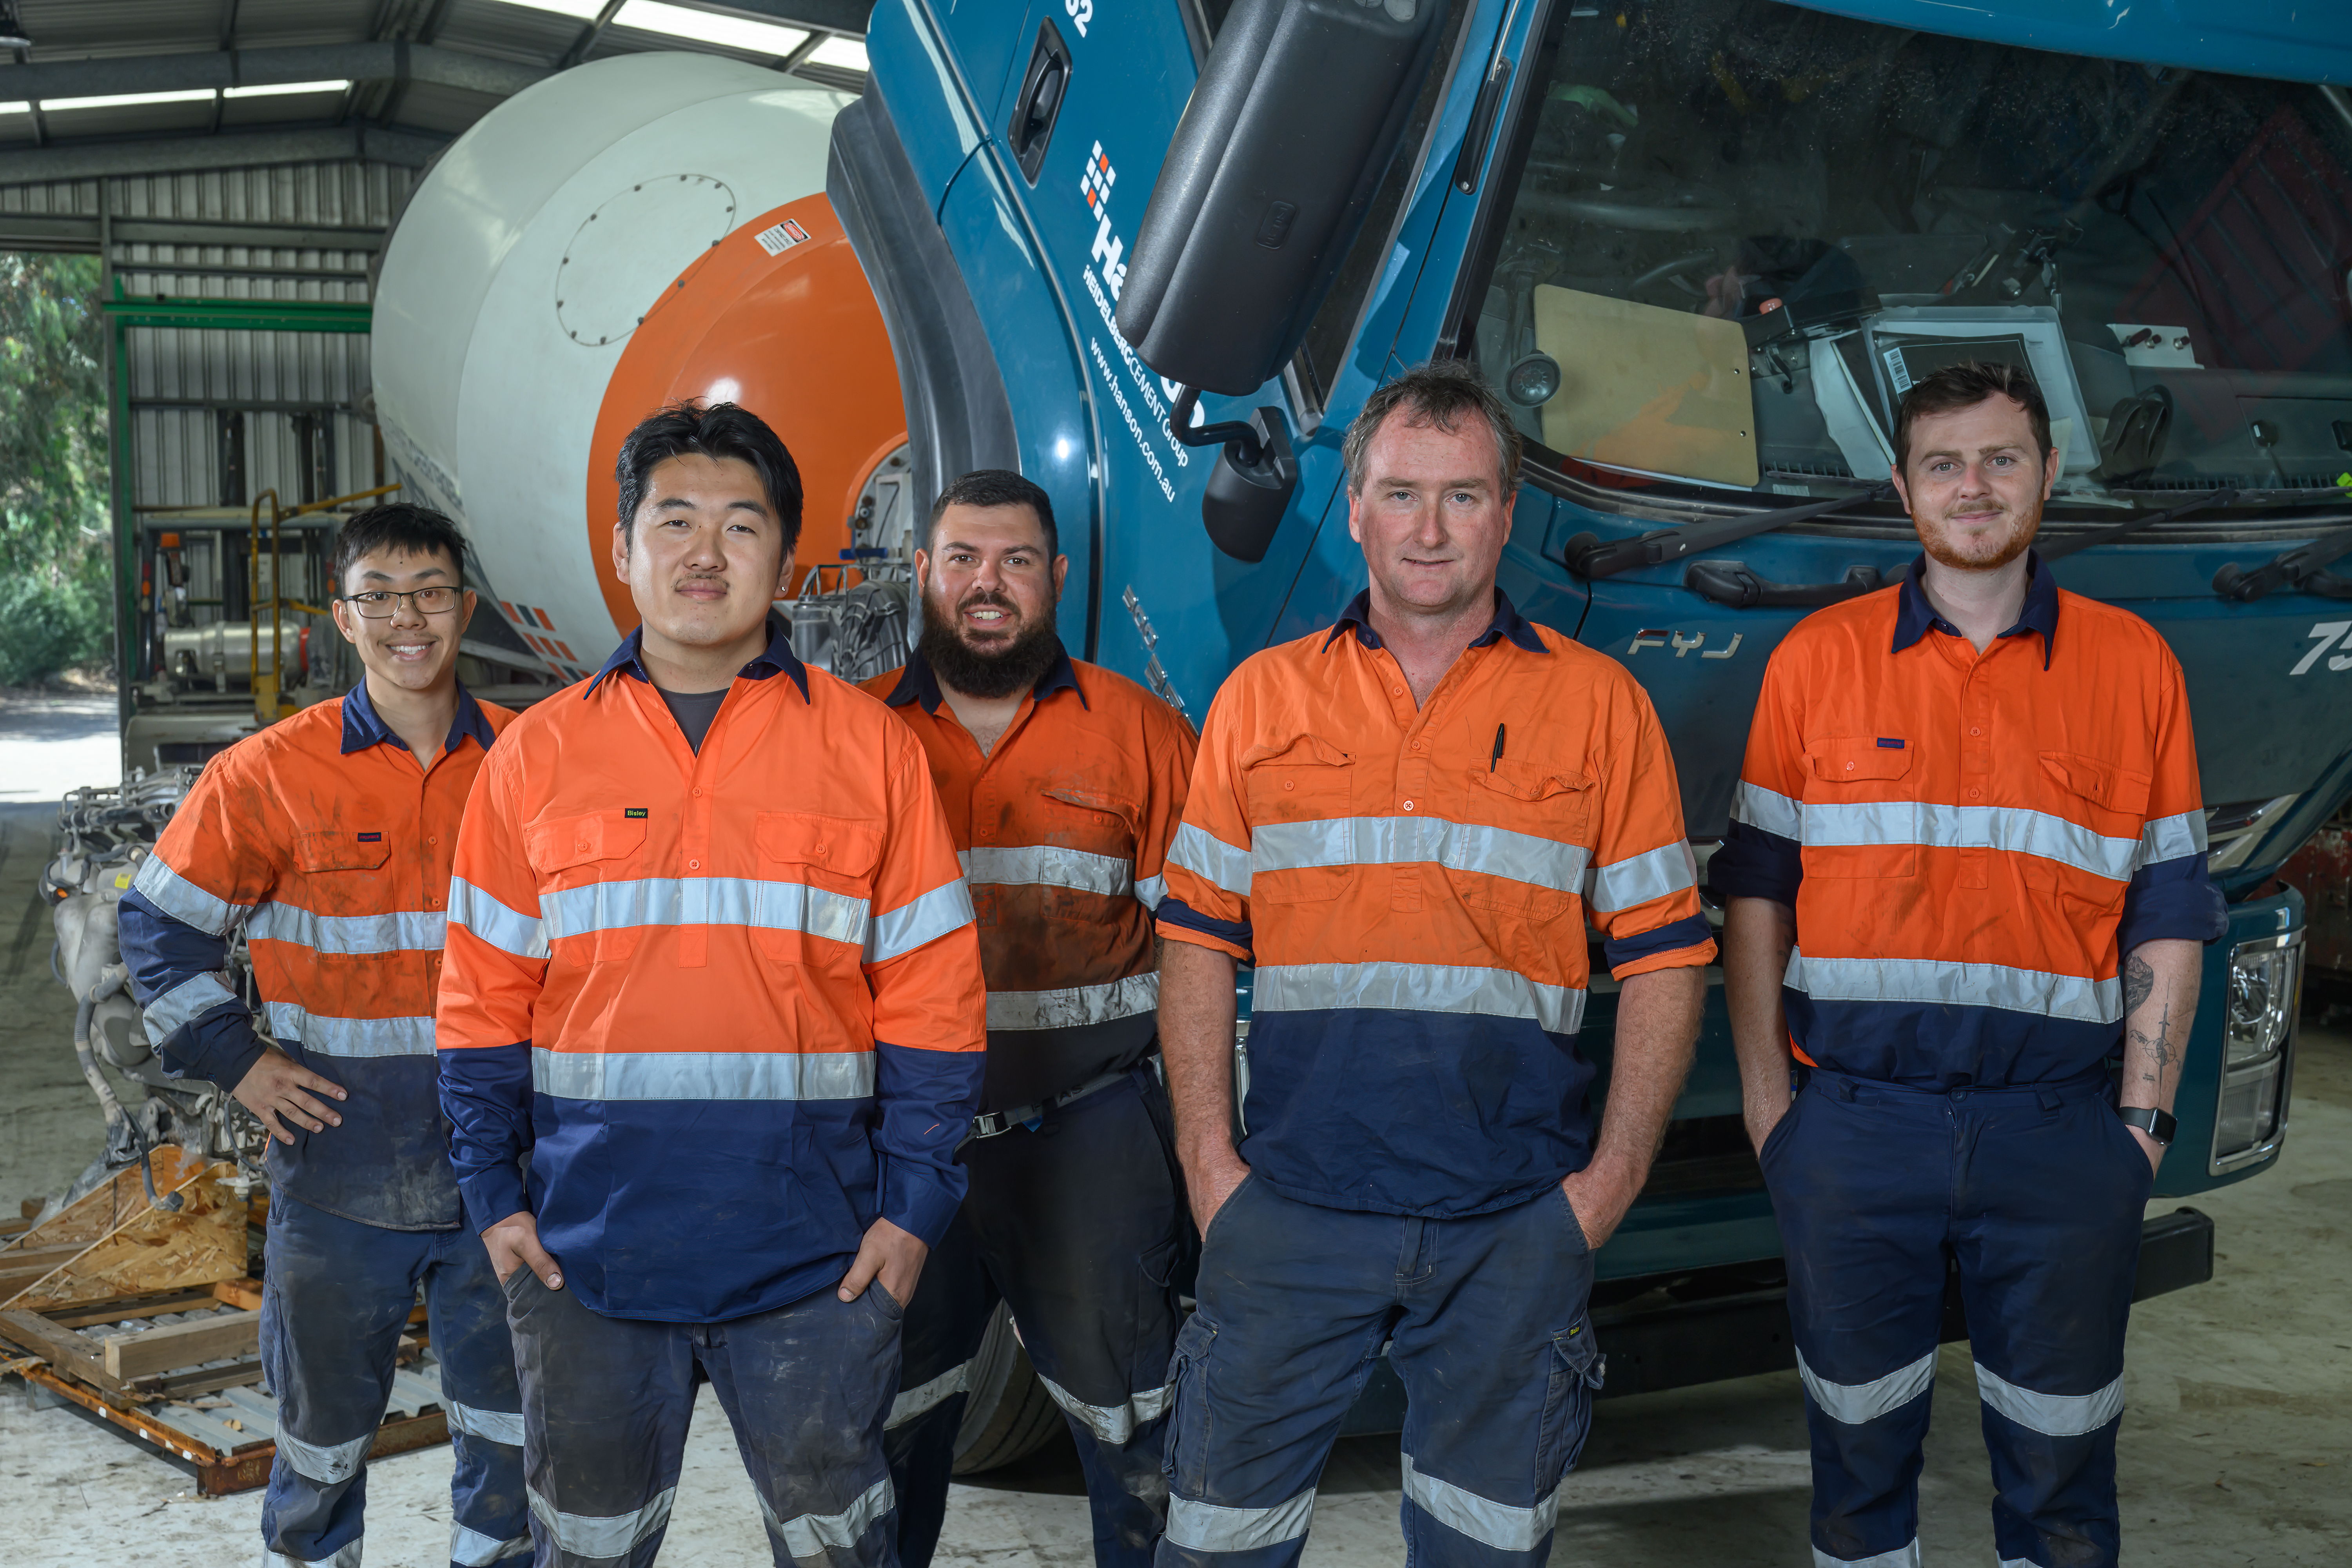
point(1008, 1415)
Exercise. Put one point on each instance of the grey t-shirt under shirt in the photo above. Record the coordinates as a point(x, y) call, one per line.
point(694, 711)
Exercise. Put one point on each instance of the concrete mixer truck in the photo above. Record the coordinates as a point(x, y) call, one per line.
point(1155, 256)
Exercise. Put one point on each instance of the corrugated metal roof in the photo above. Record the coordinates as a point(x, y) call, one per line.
point(128, 31)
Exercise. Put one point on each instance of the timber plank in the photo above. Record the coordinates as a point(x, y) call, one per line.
point(131, 1308)
point(174, 1345)
point(63, 1348)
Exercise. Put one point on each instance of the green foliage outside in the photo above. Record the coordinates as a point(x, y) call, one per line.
point(55, 557)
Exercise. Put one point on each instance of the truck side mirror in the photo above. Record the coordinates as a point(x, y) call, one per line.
point(1266, 182)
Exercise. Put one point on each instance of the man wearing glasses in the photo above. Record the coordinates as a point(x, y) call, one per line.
point(327, 839)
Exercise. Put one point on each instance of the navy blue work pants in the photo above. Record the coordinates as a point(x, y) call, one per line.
point(607, 1402)
point(1080, 1224)
point(335, 1295)
point(2036, 1194)
point(1485, 1323)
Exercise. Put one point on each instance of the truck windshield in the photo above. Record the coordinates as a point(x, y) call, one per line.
point(1738, 231)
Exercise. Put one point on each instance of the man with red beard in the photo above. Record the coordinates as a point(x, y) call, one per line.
point(1063, 785)
point(1965, 885)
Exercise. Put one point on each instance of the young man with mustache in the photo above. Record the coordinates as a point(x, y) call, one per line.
point(712, 971)
point(327, 838)
point(1063, 785)
point(1965, 873)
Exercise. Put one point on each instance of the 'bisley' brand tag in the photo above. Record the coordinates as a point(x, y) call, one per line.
point(633, 811)
point(371, 837)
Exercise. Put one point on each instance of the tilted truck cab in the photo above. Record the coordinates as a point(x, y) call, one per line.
point(1701, 246)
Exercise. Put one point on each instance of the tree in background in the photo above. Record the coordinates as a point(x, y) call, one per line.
point(55, 557)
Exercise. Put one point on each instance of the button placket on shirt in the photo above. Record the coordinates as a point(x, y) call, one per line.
point(694, 840)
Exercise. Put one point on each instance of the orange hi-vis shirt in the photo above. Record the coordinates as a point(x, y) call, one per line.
point(1970, 840)
point(1064, 829)
point(1414, 886)
point(323, 842)
point(728, 1003)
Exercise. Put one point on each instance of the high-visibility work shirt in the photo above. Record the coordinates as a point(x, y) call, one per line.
point(1970, 840)
point(1414, 886)
point(1064, 829)
point(727, 1001)
point(322, 839)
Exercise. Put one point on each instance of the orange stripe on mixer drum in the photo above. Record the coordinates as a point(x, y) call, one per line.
point(796, 337)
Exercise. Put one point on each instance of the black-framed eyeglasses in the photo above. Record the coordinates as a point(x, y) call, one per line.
point(380, 603)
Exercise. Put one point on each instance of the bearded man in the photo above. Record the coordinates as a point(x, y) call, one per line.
point(1063, 785)
point(1966, 892)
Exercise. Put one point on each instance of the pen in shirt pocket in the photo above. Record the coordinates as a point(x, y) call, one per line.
point(1498, 749)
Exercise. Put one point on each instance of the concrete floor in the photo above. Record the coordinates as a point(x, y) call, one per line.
point(2237, 1447)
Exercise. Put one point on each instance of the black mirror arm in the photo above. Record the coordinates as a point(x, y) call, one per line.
point(1234, 435)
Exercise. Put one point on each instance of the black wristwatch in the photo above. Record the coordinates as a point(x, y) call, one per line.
point(2160, 1125)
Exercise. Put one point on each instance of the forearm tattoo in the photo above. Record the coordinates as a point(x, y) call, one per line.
point(2139, 983)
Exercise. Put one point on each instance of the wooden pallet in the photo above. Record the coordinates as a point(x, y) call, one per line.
point(135, 1314)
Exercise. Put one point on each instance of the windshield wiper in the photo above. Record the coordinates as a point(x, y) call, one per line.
point(2059, 548)
point(2298, 569)
point(1587, 556)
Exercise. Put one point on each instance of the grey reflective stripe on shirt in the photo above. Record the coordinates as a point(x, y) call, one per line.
point(1500, 1525)
point(1113, 1424)
point(396, 930)
point(1895, 823)
point(1938, 982)
point(1852, 1404)
point(1075, 1005)
point(602, 1535)
point(1905, 1556)
point(184, 1003)
point(325, 1035)
point(1416, 840)
point(1416, 988)
point(1212, 859)
point(704, 901)
point(472, 1549)
point(810, 1536)
point(183, 901)
point(925, 1397)
point(1638, 879)
point(1768, 810)
point(1150, 890)
point(490, 1426)
point(897, 932)
point(2051, 1414)
point(1208, 1527)
point(326, 1463)
point(508, 930)
point(347, 1555)
point(1048, 866)
point(702, 1075)
point(2171, 837)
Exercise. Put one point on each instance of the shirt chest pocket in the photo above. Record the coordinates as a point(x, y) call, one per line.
point(2090, 837)
point(1535, 866)
point(1862, 816)
point(341, 870)
point(1082, 851)
point(593, 892)
point(1303, 836)
point(812, 900)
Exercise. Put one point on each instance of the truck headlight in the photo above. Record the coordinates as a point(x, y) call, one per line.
point(2264, 984)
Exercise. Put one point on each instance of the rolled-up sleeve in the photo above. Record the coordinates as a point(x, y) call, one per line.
point(2171, 894)
point(1762, 854)
point(1207, 901)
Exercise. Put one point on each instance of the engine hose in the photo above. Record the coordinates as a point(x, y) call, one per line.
point(117, 1118)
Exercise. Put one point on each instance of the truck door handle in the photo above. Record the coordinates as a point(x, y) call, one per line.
point(1039, 103)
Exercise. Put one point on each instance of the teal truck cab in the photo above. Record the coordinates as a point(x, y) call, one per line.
point(1156, 253)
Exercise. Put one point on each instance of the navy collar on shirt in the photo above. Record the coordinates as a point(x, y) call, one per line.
point(1915, 617)
point(776, 658)
point(1508, 623)
point(918, 683)
point(363, 727)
